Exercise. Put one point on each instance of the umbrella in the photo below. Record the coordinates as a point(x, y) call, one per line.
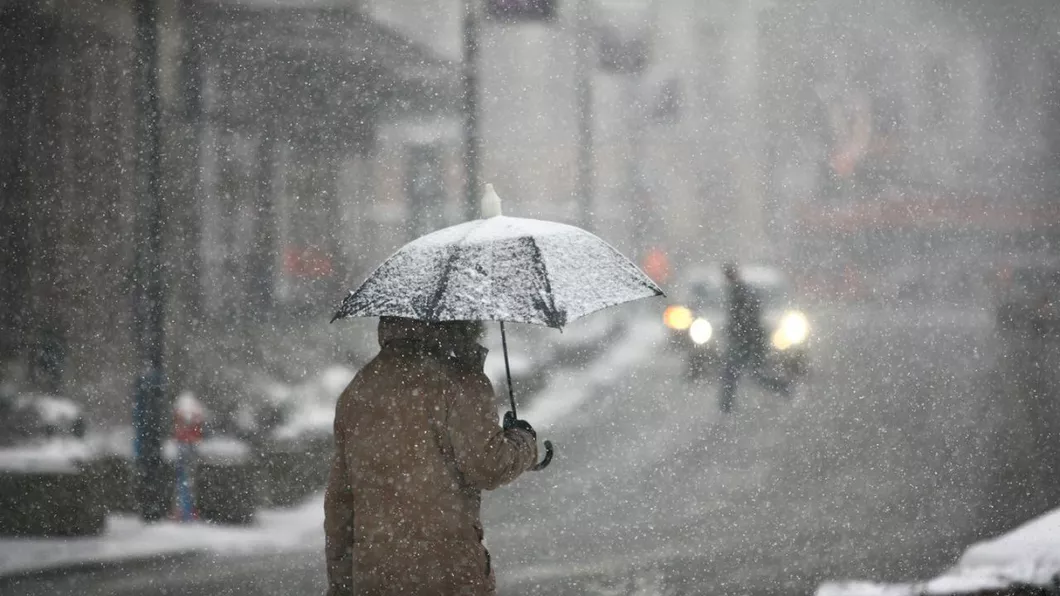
point(502, 269)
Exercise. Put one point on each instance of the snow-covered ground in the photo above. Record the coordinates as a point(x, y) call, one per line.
point(1030, 554)
point(127, 538)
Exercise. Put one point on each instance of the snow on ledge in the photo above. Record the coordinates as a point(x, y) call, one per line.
point(1030, 554)
point(1036, 542)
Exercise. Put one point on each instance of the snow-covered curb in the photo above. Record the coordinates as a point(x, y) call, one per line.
point(1028, 555)
point(127, 538)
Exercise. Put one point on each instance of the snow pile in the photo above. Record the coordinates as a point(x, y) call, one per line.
point(214, 449)
point(1028, 555)
point(309, 421)
point(310, 406)
point(128, 538)
point(53, 410)
point(57, 455)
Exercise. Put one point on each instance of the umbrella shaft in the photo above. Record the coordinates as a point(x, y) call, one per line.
point(507, 369)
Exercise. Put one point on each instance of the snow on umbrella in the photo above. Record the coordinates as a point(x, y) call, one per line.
point(500, 269)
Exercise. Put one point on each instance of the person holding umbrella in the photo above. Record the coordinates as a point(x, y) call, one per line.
point(416, 432)
point(417, 440)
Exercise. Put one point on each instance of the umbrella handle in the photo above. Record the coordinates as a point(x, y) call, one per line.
point(548, 458)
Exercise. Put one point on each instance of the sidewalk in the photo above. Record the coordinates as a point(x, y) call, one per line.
point(1023, 561)
point(128, 539)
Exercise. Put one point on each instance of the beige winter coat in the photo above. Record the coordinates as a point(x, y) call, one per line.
point(417, 440)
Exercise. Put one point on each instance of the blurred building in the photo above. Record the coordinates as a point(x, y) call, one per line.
point(271, 120)
point(907, 142)
point(737, 116)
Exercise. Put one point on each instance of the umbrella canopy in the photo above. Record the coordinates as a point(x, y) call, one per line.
point(500, 269)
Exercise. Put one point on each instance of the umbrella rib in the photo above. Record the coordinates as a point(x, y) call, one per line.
point(539, 261)
point(443, 284)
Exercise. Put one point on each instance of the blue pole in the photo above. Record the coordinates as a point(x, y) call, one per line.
point(149, 409)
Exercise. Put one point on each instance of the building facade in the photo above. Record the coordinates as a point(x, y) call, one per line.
point(270, 164)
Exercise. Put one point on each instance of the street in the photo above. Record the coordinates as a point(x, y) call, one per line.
point(898, 451)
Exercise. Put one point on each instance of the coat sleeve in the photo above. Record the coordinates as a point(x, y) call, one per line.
point(487, 455)
point(338, 516)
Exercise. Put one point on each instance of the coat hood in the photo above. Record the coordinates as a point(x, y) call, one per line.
point(443, 338)
point(393, 329)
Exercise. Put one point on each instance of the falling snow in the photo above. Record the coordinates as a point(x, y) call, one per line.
point(190, 188)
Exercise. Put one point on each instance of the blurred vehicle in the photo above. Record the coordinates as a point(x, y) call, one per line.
point(1028, 299)
point(697, 321)
point(697, 314)
point(46, 468)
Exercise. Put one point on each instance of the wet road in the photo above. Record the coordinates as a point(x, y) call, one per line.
point(903, 447)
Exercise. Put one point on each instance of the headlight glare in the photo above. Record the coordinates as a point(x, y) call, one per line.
point(794, 329)
point(700, 331)
point(677, 318)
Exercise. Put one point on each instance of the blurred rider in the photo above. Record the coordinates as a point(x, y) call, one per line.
point(746, 345)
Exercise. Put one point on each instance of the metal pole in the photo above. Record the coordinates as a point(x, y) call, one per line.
point(583, 79)
point(262, 268)
point(472, 142)
point(507, 370)
point(746, 169)
point(149, 410)
point(639, 202)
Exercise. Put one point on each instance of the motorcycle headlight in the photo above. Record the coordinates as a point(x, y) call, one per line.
point(677, 318)
point(700, 331)
point(794, 328)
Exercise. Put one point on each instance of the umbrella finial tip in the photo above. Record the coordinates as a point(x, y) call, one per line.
point(491, 203)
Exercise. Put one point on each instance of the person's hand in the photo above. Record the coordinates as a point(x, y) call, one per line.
point(510, 422)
